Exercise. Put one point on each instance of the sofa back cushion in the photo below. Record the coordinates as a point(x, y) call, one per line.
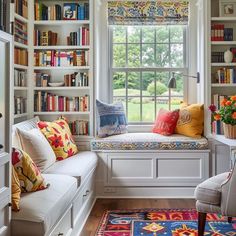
point(36, 145)
point(25, 125)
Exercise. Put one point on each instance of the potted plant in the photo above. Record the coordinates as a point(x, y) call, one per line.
point(227, 115)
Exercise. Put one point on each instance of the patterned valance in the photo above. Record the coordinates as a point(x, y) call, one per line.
point(148, 12)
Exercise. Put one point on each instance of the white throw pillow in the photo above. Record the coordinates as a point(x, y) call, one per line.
point(36, 145)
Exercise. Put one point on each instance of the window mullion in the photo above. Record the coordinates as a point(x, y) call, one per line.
point(140, 74)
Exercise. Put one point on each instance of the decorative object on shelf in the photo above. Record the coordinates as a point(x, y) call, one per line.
point(58, 84)
point(228, 56)
point(227, 8)
point(227, 115)
point(172, 83)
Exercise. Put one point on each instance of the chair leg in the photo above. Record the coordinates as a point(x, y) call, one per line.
point(230, 219)
point(201, 223)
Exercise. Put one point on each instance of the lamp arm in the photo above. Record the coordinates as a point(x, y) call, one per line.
point(190, 76)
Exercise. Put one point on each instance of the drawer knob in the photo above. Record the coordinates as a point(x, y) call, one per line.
point(0, 115)
point(60, 234)
point(1, 146)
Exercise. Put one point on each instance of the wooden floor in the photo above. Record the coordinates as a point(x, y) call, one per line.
point(115, 204)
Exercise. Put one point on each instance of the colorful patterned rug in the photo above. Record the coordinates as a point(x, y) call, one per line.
point(154, 222)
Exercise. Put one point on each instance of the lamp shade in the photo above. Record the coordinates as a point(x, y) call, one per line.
point(172, 83)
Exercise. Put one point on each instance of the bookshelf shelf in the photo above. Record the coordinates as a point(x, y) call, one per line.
point(21, 67)
point(63, 88)
point(223, 64)
point(20, 45)
point(62, 22)
point(61, 67)
point(20, 88)
point(61, 47)
point(62, 113)
point(223, 19)
point(21, 18)
point(223, 42)
point(20, 115)
point(223, 85)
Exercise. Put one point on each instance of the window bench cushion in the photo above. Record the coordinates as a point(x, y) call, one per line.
point(148, 141)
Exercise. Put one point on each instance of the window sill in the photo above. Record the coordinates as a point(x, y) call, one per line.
point(139, 128)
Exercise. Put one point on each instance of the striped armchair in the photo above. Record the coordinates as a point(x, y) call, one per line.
point(216, 195)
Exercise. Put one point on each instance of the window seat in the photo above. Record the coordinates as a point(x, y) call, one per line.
point(148, 141)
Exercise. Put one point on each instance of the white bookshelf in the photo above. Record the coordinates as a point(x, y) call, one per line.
point(223, 19)
point(223, 43)
point(63, 29)
point(217, 85)
point(21, 91)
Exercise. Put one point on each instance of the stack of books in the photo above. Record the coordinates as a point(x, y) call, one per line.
point(79, 127)
point(21, 8)
point(226, 76)
point(74, 11)
point(19, 105)
point(217, 57)
point(20, 78)
point(61, 58)
point(80, 38)
point(21, 56)
point(43, 12)
point(20, 32)
point(220, 33)
point(45, 38)
point(48, 102)
point(76, 79)
point(41, 79)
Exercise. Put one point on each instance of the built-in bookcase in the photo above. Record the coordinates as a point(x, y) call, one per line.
point(221, 75)
point(59, 75)
point(20, 31)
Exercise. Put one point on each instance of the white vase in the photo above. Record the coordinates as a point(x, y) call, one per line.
point(228, 56)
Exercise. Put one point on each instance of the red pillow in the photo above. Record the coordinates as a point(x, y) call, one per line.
point(166, 122)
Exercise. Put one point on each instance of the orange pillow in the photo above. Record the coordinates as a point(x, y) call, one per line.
point(191, 120)
point(15, 191)
point(28, 173)
point(165, 122)
point(59, 137)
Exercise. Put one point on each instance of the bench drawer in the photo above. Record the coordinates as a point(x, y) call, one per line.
point(64, 227)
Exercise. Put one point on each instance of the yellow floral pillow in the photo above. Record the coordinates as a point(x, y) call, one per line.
point(60, 138)
point(15, 191)
point(28, 173)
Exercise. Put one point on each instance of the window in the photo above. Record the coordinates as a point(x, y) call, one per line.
point(142, 60)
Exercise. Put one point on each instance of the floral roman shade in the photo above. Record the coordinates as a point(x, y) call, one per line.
point(148, 12)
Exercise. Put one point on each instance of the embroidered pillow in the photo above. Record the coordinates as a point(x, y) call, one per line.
point(59, 137)
point(111, 119)
point(37, 146)
point(191, 120)
point(15, 190)
point(166, 122)
point(28, 173)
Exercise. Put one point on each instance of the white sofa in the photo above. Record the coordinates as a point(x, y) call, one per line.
point(63, 207)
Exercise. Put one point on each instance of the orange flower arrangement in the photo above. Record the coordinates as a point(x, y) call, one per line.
point(226, 112)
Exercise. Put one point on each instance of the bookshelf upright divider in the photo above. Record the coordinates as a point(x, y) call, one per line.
point(62, 52)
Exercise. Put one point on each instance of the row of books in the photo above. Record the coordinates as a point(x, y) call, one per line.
point(20, 32)
point(21, 8)
point(41, 79)
point(76, 79)
point(48, 102)
point(21, 56)
point(20, 78)
point(81, 37)
point(217, 127)
point(79, 127)
point(61, 58)
point(19, 105)
point(3, 15)
point(217, 57)
point(226, 76)
point(45, 38)
point(220, 33)
point(69, 11)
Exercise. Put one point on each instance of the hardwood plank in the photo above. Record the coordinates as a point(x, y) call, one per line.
point(102, 205)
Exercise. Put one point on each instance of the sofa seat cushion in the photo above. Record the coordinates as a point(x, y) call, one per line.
point(40, 211)
point(148, 141)
point(78, 166)
point(209, 191)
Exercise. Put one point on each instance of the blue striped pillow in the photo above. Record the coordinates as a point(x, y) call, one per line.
point(111, 119)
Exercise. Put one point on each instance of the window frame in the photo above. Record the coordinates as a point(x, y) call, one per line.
point(112, 70)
